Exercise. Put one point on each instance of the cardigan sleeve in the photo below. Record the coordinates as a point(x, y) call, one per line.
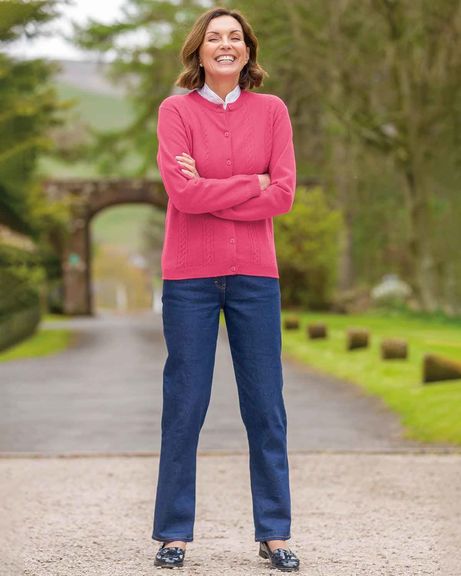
point(195, 195)
point(278, 197)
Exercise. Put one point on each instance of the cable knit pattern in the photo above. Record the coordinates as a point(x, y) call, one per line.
point(181, 253)
point(221, 223)
point(208, 256)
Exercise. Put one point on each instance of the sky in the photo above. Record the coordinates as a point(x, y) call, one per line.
point(54, 46)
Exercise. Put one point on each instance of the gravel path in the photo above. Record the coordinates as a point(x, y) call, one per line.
point(353, 515)
point(104, 395)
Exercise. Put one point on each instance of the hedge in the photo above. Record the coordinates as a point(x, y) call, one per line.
point(18, 326)
point(21, 277)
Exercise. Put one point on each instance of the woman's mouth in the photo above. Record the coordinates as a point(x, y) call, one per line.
point(226, 60)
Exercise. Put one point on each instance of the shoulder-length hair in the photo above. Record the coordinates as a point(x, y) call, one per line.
point(193, 75)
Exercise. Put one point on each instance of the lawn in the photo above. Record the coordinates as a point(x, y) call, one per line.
point(43, 343)
point(431, 413)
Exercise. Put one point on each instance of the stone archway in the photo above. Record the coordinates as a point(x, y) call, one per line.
point(87, 198)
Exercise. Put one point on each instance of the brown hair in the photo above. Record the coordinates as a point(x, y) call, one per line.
point(193, 75)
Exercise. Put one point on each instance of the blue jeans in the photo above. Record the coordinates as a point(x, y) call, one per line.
point(191, 309)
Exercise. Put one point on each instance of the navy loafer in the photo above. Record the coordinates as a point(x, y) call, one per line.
point(170, 557)
point(280, 558)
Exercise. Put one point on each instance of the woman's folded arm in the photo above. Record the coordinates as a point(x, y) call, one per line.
point(278, 197)
point(195, 195)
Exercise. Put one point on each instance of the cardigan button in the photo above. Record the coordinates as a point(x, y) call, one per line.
point(233, 268)
point(226, 134)
point(228, 162)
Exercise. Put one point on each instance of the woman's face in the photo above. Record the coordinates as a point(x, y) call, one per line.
point(223, 36)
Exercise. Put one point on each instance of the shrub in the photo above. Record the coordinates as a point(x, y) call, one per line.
point(21, 280)
point(307, 250)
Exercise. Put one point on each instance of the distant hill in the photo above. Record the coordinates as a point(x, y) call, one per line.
point(100, 110)
point(100, 103)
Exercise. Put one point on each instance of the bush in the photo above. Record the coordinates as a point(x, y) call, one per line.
point(18, 326)
point(21, 280)
point(307, 250)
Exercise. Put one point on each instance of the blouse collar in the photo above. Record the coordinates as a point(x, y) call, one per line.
point(210, 95)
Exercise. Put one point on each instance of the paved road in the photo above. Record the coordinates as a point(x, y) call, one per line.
point(104, 395)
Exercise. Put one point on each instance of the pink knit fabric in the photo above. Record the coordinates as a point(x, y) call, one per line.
point(221, 223)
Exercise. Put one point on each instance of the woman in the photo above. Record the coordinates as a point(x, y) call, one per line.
point(226, 159)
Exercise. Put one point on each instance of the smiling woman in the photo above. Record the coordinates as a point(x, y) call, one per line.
point(227, 162)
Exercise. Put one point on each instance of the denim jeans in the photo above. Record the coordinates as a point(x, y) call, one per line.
point(191, 310)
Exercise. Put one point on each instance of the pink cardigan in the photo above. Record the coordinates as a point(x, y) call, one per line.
point(221, 223)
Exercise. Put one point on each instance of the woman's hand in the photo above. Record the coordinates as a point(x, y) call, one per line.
point(264, 180)
point(188, 164)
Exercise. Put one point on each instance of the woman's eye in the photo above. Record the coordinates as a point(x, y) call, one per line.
point(213, 39)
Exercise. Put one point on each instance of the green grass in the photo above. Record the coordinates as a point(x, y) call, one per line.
point(431, 413)
point(43, 343)
point(51, 317)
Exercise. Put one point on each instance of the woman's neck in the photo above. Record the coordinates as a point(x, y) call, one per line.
point(222, 87)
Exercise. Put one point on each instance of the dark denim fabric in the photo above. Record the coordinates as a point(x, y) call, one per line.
point(191, 309)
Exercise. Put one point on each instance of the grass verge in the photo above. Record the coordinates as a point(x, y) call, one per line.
point(42, 343)
point(431, 413)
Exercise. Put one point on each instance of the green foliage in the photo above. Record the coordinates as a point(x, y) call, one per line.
point(21, 277)
point(375, 99)
point(18, 18)
point(18, 325)
point(307, 249)
point(30, 108)
point(18, 291)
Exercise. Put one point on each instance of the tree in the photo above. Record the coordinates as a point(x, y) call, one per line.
point(30, 107)
point(149, 68)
